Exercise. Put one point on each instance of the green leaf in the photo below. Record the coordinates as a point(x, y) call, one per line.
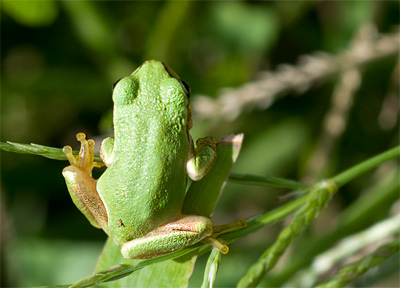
point(162, 274)
point(270, 181)
point(40, 150)
point(45, 151)
point(353, 270)
point(211, 269)
point(318, 198)
point(203, 195)
point(365, 166)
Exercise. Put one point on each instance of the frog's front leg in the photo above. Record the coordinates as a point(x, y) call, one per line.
point(81, 185)
point(201, 158)
point(183, 232)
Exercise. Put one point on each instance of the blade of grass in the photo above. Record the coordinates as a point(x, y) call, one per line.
point(365, 166)
point(247, 179)
point(382, 195)
point(35, 149)
point(40, 150)
point(119, 271)
point(350, 272)
point(211, 269)
point(345, 248)
point(319, 198)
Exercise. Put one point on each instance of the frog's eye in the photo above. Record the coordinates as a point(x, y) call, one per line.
point(125, 91)
point(187, 88)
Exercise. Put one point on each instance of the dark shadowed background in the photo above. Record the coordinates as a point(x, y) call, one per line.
point(59, 60)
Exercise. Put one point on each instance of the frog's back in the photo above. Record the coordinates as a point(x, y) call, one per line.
point(144, 187)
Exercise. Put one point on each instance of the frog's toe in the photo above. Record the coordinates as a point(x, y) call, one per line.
point(85, 159)
point(68, 153)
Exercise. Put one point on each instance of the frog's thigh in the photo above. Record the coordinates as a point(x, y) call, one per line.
point(82, 189)
point(186, 231)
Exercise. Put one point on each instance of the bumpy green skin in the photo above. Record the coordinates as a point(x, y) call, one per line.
point(144, 186)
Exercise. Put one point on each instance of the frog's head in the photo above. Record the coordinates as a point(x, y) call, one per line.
point(154, 85)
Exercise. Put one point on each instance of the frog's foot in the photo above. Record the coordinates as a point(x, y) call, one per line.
point(201, 158)
point(85, 159)
point(224, 249)
point(81, 185)
point(219, 229)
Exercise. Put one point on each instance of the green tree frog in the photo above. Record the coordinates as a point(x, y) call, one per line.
point(137, 201)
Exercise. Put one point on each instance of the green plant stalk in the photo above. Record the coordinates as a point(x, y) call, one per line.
point(247, 179)
point(350, 272)
point(211, 270)
point(385, 195)
point(381, 196)
point(365, 166)
point(123, 270)
point(382, 193)
point(258, 222)
point(345, 248)
point(318, 199)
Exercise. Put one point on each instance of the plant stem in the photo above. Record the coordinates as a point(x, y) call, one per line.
point(365, 166)
point(385, 191)
point(347, 247)
point(211, 269)
point(318, 199)
point(350, 272)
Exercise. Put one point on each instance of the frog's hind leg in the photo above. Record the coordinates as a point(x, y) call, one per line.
point(185, 231)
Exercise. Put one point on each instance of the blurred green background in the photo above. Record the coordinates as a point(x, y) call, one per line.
point(59, 60)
